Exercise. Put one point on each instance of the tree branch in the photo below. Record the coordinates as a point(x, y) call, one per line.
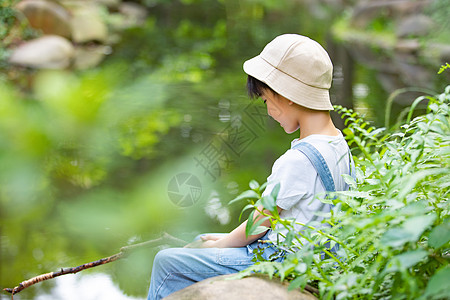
point(165, 239)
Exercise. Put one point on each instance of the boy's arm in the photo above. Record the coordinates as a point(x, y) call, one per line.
point(236, 238)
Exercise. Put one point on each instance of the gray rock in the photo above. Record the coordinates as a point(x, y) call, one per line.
point(366, 11)
point(249, 288)
point(88, 24)
point(413, 74)
point(408, 46)
point(111, 4)
point(133, 14)
point(47, 52)
point(362, 52)
point(440, 52)
point(89, 56)
point(415, 25)
point(47, 16)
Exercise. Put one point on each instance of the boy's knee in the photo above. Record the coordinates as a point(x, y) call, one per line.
point(166, 255)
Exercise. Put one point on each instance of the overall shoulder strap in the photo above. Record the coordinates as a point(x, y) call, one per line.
point(319, 164)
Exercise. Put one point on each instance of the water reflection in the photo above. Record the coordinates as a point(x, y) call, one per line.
point(87, 287)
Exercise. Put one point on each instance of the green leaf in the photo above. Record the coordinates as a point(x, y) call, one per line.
point(245, 195)
point(285, 269)
point(258, 230)
point(268, 202)
point(299, 282)
point(263, 186)
point(439, 236)
point(438, 287)
point(423, 126)
point(417, 225)
point(412, 180)
point(410, 231)
point(275, 191)
point(254, 185)
point(348, 132)
point(405, 260)
point(289, 237)
point(249, 224)
point(301, 267)
point(349, 180)
point(244, 209)
point(396, 237)
point(377, 131)
point(271, 270)
point(253, 227)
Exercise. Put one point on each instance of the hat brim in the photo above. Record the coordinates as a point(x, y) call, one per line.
point(287, 86)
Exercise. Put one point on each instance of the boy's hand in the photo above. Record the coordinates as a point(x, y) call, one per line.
point(210, 241)
point(206, 241)
point(209, 244)
point(202, 244)
point(209, 237)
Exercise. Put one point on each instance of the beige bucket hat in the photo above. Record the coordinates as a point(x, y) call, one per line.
point(297, 68)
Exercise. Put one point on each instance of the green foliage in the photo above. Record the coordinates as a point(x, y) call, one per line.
point(443, 68)
point(7, 18)
point(65, 151)
point(13, 27)
point(82, 124)
point(393, 227)
point(439, 11)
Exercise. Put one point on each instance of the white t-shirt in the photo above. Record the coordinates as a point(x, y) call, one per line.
point(300, 184)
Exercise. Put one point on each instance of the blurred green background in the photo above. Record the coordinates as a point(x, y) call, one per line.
point(97, 123)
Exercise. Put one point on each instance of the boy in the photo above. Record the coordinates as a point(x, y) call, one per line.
point(292, 75)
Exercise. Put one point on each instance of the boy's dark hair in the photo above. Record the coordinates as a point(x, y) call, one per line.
point(256, 87)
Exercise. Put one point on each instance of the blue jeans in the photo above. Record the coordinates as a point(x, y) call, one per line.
point(177, 268)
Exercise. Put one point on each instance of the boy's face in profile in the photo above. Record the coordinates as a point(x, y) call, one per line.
point(281, 110)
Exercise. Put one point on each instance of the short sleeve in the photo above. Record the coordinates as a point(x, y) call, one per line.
point(295, 174)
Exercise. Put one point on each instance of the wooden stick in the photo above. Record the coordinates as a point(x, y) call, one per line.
point(312, 289)
point(165, 239)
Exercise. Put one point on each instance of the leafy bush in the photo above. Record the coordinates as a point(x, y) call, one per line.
point(76, 155)
point(392, 227)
